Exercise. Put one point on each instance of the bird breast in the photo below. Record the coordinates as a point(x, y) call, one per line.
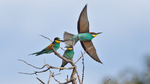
point(85, 36)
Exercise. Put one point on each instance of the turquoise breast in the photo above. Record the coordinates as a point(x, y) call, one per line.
point(57, 45)
point(85, 37)
point(68, 54)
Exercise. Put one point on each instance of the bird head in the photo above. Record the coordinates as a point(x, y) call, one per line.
point(57, 40)
point(95, 34)
point(69, 47)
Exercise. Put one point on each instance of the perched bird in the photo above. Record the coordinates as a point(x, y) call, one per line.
point(48, 49)
point(83, 35)
point(69, 53)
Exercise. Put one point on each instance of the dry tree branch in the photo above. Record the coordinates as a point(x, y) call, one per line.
point(50, 40)
point(46, 37)
point(49, 67)
point(107, 81)
point(78, 76)
point(72, 63)
point(83, 54)
point(50, 73)
point(40, 80)
point(46, 70)
point(83, 67)
point(35, 72)
point(69, 80)
point(53, 75)
point(32, 65)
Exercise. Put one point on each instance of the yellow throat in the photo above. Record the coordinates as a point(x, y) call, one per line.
point(94, 35)
point(57, 41)
point(69, 48)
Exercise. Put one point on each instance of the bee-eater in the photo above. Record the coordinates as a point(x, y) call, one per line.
point(84, 35)
point(48, 49)
point(69, 53)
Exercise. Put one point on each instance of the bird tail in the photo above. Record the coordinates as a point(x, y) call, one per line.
point(60, 70)
point(36, 53)
point(63, 64)
point(70, 39)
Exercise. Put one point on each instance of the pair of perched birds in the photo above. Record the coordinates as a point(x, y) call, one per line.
point(84, 36)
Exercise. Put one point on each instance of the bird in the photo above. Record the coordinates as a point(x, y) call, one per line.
point(69, 53)
point(84, 36)
point(55, 44)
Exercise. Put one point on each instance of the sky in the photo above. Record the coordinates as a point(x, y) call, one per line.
point(124, 42)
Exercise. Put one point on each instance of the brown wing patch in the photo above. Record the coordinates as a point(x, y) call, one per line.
point(49, 46)
point(83, 23)
point(91, 52)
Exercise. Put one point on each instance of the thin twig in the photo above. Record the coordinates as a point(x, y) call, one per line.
point(46, 70)
point(69, 80)
point(40, 80)
point(50, 40)
point(32, 65)
point(46, 37)
point(50, 65)
point(50, 73)
point(78, 76)
point(107, 81)
point(35, 72)
point(55, 78)
point(84, 53)
point(83, 67)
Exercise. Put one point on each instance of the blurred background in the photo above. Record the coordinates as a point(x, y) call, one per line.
point(123, 47)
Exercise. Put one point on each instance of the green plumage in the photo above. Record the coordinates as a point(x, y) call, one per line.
point(85, 36)
point(69, 55)
point(71, 39)
point(56, 47)
point(49, 49)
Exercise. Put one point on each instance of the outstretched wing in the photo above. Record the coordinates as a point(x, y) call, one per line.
point(83, 23)
point(92, 51)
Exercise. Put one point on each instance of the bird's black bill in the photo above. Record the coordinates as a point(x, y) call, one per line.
point(62, 40)
point(99, 32)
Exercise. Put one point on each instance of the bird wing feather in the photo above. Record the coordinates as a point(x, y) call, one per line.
point(49, 47)
point(92, 52)
point(83, 23)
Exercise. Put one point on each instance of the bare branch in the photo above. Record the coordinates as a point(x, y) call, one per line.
point(53, 75)
point(107, 81)
point(31, 65)
point(72, 63)
point(83, 67)
point(84, 53)
point(78, 76)
point(69, 80)
point(35, 72)
point(40, 80)
point(46, 70)
point(46, 37)
point(50, 73)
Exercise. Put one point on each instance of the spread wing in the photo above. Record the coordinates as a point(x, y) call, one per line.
point(83, 23)
point(92, 51)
